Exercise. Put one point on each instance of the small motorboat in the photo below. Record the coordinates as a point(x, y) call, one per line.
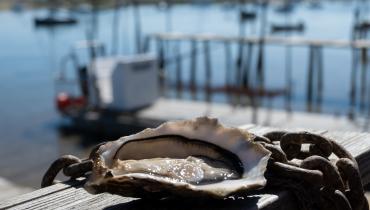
point(247, 16)
point(276, 28)
point(362, 26)
point(53, 21)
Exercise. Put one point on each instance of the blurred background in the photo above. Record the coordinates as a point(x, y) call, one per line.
point(78, 72)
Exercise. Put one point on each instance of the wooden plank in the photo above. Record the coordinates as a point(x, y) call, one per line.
point(65, 196)
point(9, 203)
point(73, 196)
point(77, 198)
point(292, 41)
point(358, 144)
point(265, 201)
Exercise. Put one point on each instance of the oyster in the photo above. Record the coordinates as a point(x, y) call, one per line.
point(195, 158)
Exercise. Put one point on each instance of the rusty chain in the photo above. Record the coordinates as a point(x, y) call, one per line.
point(319, 182)
point(71, 166)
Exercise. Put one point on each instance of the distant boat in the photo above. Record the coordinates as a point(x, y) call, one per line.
point(247, 16)
point(298, 27)
point(53, 21)
point(362, 26)
point(285, 8)
point(53, 18)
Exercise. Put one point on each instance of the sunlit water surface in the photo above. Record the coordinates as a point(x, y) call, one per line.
point(30, 58)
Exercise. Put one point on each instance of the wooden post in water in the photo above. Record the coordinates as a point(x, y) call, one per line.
point(228, 64)
point(208, 70)
point(92, 30)
point(320, 78)
point(247, 66)
point(178, 69)
point(315, 81)
point(288, 78)
point(115, 27)
point(91, 34)
point(228, 71)
point(261, 53)
point(364, 64)
point(242, 33)
point(353, 90)
point(355, 63)
point(239, 67)
point(240, 56)
point(137, 25)
point(310, 78)
point(168, 16)
point(146, 45)
point(193, 67)
point(161, 65)
point(288, 67)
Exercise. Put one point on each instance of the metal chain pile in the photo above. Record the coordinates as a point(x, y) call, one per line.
point(317, 181)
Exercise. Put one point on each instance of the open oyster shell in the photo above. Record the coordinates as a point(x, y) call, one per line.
point(196, 158)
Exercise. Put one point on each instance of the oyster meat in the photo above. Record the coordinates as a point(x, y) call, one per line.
point(194, 158)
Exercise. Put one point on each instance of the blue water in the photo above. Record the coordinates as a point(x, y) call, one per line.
point(30, 58)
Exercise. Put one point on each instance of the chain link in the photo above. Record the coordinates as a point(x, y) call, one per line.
point(71, 166)
point(311, 173)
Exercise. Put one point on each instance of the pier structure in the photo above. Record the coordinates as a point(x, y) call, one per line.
point(249, 80)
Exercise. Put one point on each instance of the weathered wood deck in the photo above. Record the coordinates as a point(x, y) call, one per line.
point(71, 195)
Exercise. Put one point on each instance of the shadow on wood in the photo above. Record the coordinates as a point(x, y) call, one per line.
point(250, 203)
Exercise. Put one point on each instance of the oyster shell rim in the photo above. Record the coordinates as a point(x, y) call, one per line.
point(214, 190)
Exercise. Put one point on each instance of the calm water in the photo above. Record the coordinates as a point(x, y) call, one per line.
point(30, 58)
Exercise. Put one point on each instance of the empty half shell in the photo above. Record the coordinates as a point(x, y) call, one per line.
point(195, 158)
